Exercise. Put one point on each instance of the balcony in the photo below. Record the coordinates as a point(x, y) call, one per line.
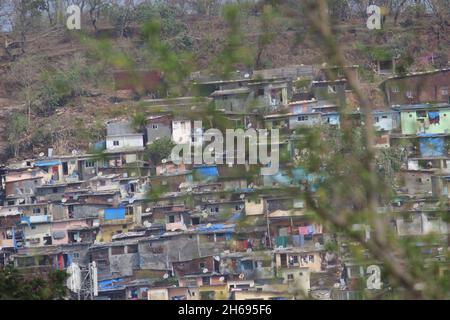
point(112, 222)
point(35, 219)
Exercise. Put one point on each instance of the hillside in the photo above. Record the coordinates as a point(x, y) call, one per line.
point(79, 118)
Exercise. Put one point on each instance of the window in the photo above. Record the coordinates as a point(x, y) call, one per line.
point(408, 218)
point(89, 164)
point(444, 91)
point(132, 248)
point(116, 143)
point(205, 281)
point(395, 90)
point(55, 190)
point(171, 219)
point(260, 92)
point(409, 94)
point(302, 118)
point(36, 210)
point(332, 89)
point(154, 126)
point(290, 276)
point(117, 250)
point(311, 258)
point(377, 119)
point(201, 265)
point(421, 114)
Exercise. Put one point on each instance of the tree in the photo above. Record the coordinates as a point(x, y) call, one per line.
point(121, 16)
point(95, 9)
point(27, 14)
point(16, 130)
point(160, 149)
point(15, 286)
point(267, 35)
point(25, 73)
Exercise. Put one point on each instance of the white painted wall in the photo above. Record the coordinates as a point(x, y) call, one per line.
point(128, 141)
point(181, 131)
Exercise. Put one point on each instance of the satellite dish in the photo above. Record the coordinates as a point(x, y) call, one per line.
point(164, 161)
point(241, 276)
point(242, 196)
point(100, 173)
point(41, 154)
point(63, 200)
point(147, 210)
point(222, 279)
point(217, 258)
point(165, 276)
point(205, 270)
point(209, 225)
point(147, 224)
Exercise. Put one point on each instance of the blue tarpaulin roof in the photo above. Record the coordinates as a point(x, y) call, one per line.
point(48, 163)
point(114, 213)
point(216, 227)
point(431, 146)
point(208, 171)
point(111, 284)
point(235, 217)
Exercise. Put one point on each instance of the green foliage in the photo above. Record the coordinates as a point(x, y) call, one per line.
point(58, 85)
point(41, 136)
point(160, 149)
point(138, 120)
point(16, 129)
point(15, 286)
point(234, 51)
point(175, 66)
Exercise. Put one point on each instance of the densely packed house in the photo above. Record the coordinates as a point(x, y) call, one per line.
point(164, 230)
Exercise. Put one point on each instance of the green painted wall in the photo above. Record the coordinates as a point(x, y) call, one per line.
point(411, 123)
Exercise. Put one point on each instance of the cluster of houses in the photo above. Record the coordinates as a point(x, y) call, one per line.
point(191, 232)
